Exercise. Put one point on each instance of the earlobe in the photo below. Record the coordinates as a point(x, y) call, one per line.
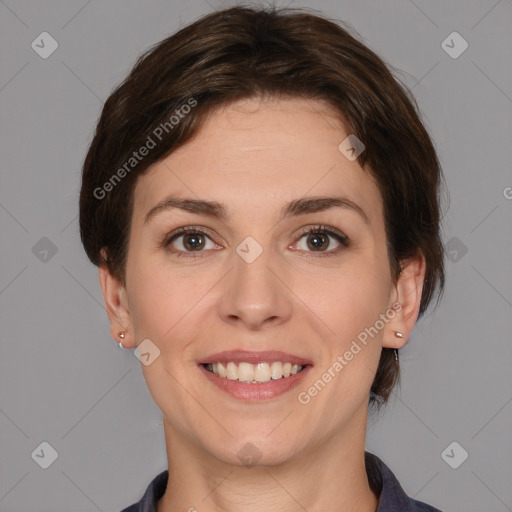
point(116, 303)
point(121, 336)
point(408, 291)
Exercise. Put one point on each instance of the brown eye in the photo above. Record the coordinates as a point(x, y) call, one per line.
point(317, 241)
point(321, 239)
point(193, 241)
point(188, 240)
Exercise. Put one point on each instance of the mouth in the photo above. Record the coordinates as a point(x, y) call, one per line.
point(254, 376)
point(254, 373)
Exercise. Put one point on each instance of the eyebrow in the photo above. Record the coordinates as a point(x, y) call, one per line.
point(296, 207)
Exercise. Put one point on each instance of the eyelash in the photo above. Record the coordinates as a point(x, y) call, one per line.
point(342, 239)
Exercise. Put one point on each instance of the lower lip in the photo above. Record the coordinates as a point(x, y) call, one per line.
point(255, 392)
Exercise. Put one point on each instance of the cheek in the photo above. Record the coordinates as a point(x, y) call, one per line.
point(162, 300)
point(350, 304)
point(154, 303)
point(350, 298)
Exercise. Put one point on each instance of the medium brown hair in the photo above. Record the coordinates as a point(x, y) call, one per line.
point(241, 53)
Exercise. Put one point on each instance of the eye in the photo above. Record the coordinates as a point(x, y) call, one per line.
point(187, 240)
point(322, 239)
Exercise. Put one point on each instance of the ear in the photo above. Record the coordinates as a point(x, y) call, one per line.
point(118, 311)
point(406, 303)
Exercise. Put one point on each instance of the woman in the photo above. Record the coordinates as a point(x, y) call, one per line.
point(261, 199)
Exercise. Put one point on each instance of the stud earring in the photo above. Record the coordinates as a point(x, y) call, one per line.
point(121, 335)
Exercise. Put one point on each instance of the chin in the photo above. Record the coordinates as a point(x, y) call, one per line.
point(258, 450)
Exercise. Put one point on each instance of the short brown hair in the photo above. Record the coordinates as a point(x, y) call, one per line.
point(241, 53)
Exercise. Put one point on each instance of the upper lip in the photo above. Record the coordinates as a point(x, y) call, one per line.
point(247, 356)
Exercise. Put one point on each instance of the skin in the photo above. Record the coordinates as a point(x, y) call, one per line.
point(254, 156)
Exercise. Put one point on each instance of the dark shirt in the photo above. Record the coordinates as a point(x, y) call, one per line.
point(383, 483)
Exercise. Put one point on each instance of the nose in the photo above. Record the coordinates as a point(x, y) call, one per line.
point(254, 296)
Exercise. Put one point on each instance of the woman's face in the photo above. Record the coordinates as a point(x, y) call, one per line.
point(248, 287)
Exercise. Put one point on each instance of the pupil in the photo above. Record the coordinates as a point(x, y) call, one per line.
point(316, 240)
point(194, 242)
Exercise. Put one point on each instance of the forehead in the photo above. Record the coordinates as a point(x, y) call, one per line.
point(256, 155)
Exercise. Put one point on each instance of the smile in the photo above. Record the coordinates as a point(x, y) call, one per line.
point(254, 373)
point(254, 376)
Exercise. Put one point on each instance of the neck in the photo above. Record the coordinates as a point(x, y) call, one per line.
point(327, 474)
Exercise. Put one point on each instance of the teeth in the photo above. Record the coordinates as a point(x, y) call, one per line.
point(221, 369)
point(262, 372)
point(254, 373)
point(232, 371)
point(245, 372)
point(276, 370)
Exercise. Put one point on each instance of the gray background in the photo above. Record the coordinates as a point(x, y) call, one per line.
point(64, 381)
